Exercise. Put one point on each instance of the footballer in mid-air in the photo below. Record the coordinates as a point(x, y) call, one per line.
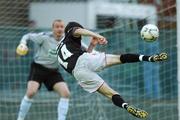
point(83, 65)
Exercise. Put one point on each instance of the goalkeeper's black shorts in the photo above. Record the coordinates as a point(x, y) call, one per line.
point(44, 75)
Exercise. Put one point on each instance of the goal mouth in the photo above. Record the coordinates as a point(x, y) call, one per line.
point(151, 86)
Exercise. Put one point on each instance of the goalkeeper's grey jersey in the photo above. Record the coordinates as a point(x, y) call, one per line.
point(45, 48)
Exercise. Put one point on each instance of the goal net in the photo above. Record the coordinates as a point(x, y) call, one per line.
point(151, 86)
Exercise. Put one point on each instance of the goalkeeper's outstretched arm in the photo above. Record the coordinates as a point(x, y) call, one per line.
point(22, 48)
point(35, 37)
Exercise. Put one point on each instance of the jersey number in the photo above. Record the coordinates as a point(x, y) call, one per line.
point(65, 54)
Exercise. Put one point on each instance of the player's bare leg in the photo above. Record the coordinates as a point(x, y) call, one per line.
point(32, 88)
point(62, 89)
point(26, 102)
point(130, 58)
point(118, 101)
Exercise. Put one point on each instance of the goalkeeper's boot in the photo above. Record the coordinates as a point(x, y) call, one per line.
point(137, 112)
point(159, 57)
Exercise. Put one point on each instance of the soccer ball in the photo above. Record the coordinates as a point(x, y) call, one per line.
point(149, 32)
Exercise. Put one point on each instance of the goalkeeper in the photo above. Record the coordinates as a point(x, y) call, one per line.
point(84, 64)
point(44, 69)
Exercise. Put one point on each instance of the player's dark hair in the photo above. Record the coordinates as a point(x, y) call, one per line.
point(70, 25)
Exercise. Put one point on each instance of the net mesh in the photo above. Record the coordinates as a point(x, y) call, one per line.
point(151, 86)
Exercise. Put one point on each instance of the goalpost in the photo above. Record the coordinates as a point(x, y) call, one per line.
point(178, 53)
point(151, 86)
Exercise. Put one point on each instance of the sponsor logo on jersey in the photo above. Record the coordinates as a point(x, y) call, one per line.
point(52, 53)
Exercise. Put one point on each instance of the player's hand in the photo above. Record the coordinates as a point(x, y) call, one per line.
point(94, 41)
point(102, 41)
point(22, 49)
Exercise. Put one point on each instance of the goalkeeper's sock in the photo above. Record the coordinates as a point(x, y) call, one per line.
point(24, 107)
point(130, 58)
point(118, 101)
point(63, 108)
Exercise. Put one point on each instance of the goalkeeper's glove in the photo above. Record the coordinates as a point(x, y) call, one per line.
point(22, 49)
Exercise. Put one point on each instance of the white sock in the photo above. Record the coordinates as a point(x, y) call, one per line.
point(141, 57)
point(63, 106)
point(124, 104)
point(24, 107)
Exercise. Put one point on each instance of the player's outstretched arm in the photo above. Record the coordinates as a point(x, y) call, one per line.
point(84, 32)
point(35, 37)
point(22, 48)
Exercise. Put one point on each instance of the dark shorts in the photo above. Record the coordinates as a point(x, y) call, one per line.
point(44, 75)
